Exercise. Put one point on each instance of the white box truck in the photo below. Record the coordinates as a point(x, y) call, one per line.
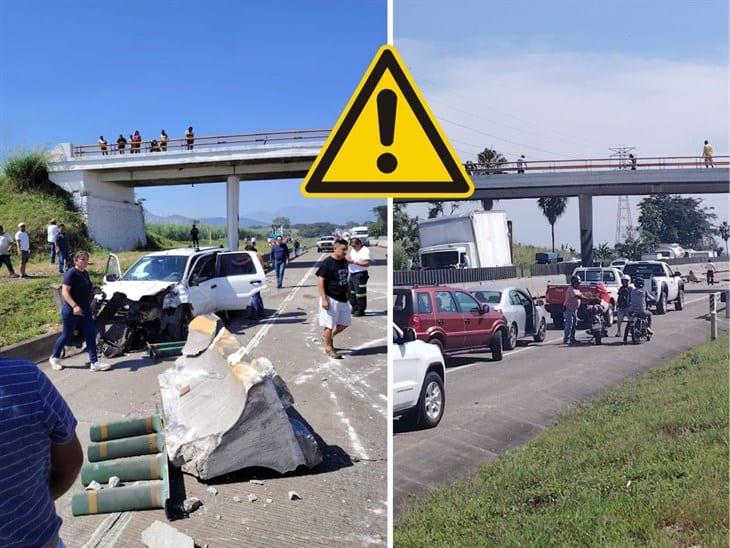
point(477, 239)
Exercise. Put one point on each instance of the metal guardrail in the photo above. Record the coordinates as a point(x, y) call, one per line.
point(205, 142)
point(598, 164)
point(452, 276)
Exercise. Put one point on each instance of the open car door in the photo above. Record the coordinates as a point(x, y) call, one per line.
point(113, 271)
point(239, 275)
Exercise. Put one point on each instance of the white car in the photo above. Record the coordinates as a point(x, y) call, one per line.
point(206, 280)
point(418, 379)
point(325, 243)
point(362, 233)
point(525, 315)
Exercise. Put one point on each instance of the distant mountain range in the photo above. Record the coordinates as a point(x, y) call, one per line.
point(334, 214)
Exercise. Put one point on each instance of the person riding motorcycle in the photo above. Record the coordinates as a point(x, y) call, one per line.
point(622, 301)
point(639, 297)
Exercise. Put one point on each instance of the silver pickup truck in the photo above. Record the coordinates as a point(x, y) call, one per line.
point(665, 284)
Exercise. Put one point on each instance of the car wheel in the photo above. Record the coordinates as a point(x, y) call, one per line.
point(679, 303)
point(661, 304)
point(432, 400)
point(510, 339)
point(540, 335)
point(496, 346)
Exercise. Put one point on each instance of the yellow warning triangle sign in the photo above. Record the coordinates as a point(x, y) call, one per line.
point(387, 143)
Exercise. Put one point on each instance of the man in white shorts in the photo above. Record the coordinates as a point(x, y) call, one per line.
point(334, 306)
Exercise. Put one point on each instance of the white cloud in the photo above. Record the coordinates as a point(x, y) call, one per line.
point(574, 105)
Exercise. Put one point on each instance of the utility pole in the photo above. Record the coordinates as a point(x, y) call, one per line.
point(624, 226)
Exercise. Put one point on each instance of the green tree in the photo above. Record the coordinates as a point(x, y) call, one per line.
point(668, 218)
point(724, 232)
point(281, 221)
point(454, 206)
point(552, 208)
point(603, 253)
point(631, 248)
point(435, 209)
point(380, 226)
point(405, 232)
point(489, 163)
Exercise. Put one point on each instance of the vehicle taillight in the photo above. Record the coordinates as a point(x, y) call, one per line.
point(415, 321)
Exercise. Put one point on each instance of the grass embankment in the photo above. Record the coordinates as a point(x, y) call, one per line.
point(645, 464)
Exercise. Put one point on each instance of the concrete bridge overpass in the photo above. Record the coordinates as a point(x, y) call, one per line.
point(102, 182)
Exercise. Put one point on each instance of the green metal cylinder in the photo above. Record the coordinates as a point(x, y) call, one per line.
point(123, 429)
point(126, 447)
point(120, 499)
point(145, 467)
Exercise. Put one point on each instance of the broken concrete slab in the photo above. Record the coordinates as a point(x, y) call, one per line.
point(162, 535)
point(237, 412)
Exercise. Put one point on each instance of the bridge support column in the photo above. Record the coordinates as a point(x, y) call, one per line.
point(585, 214)
point(232, 192)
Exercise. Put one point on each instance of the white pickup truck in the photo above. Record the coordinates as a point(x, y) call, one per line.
point(159, 294)
point(665, 284)
point(418, 379)
point(610, 277)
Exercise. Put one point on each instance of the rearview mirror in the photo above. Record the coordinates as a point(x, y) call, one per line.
point(409, 335)
point(483, 308)
point(110, 278)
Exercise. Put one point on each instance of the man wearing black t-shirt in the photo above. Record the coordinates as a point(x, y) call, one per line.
point(334, 306)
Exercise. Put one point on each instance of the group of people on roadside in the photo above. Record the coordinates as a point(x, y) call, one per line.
point(633, 298)
point(155, 145)
point(58, 242)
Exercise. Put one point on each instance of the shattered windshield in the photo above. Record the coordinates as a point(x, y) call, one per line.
point(158, 268)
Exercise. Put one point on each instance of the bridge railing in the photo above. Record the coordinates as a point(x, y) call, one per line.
point(591, 164)
point(206, 142)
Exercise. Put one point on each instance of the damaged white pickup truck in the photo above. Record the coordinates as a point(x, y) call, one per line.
point(157, 297)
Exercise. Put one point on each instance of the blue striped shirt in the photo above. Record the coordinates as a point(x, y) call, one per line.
point(33, 415)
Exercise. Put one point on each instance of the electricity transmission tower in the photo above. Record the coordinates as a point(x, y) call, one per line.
point(624, 226)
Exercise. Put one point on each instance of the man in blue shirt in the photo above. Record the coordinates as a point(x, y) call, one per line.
point(62, 249)
point(41, 456)
point(279, 258)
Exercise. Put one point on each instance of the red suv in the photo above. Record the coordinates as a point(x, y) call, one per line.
point(449, 317)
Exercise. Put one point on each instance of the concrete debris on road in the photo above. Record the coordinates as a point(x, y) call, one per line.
point(114, 481)
point(162, 535)
point(93, 486)
point(293, 495)
point(269, 501)
point(218, 517)
point(212, 490)
point(192, 504)
point(252, 498)
point(256, 482)
point(237, 413)
point(236, 498)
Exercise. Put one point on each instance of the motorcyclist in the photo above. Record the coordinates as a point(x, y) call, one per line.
point(622, 301)
point(638, 300)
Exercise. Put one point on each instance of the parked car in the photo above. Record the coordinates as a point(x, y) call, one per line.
point(450, 318)
point(325, 243)
point(619, 263)
point(419, 373)
point(525, 314)
point(609, 276)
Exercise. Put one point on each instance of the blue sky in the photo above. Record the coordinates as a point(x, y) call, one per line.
point(72, 71)
point(567, 79)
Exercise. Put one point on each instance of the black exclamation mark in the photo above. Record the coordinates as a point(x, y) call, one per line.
point(387, 101)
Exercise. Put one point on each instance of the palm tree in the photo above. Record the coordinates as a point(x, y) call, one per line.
point(489, 159)
point(552, 207)
point(724, 232)
point(454, 206)
point(603, 253)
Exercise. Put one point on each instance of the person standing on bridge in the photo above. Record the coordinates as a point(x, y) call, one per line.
point(42, 455)
point(707, 153)
point(521, 164)
point(632, 162)
point(163, 140)
point(194, 233)
point(359, 259)
point(102, 145)
point(121, 144)
point(190, 138)
point(279, 258)
point(334, 308)
point(137, 141)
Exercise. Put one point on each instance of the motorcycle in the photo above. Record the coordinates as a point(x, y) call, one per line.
point(638, 327)
point(595, 316)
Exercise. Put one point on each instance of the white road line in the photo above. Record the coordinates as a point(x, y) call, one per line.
point(275, 317)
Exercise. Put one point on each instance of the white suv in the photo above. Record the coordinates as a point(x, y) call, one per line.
point(418, 379)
